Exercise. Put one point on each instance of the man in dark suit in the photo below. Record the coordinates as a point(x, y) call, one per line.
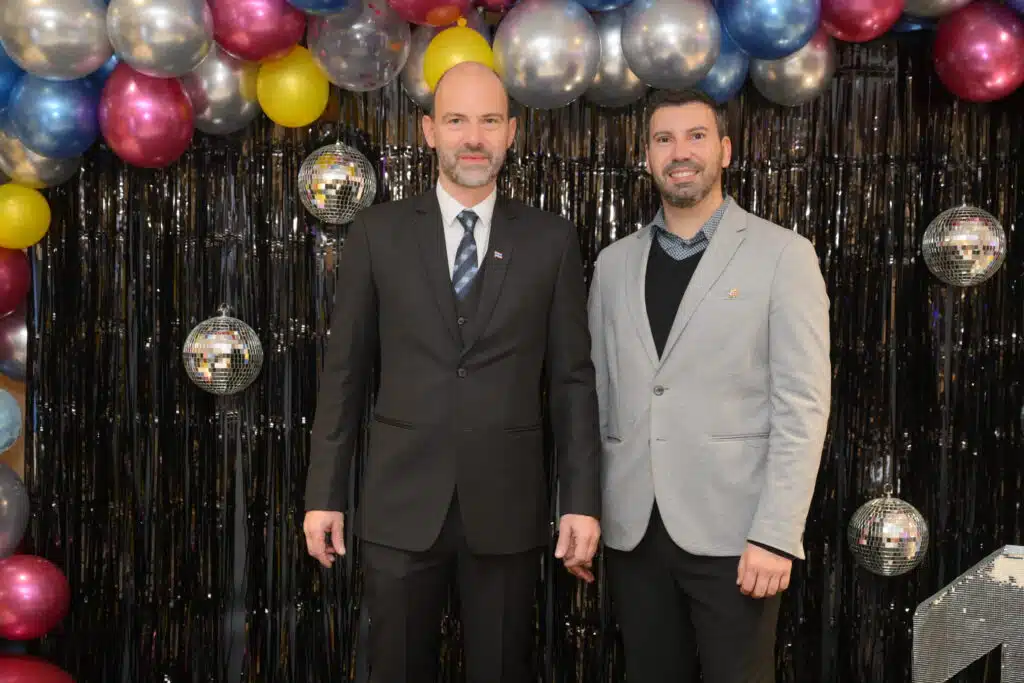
point(475, 303)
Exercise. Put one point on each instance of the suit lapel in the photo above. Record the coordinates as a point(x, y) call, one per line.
point(636, 300)
point(496, 262)
point(724, 243)
point(434, 258)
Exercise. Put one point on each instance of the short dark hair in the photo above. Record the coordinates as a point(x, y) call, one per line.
point(677, 98)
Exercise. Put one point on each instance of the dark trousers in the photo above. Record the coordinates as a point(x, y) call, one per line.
point(406, 593)
point(672, 605)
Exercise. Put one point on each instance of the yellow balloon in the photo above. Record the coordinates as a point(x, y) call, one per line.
point(293, 90)
point(453, 46)
point(24, 216)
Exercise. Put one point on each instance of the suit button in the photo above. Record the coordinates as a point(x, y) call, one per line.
point(659, 390)
point(462, 372)
point(461, 321)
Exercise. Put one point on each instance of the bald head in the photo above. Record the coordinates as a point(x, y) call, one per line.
point(471, 79)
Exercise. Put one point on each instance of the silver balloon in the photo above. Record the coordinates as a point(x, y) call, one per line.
point(615, 84)
point(14, 510)
point(59, 40)
point(547, 52)
point(887, 536)
point(14, 345)
point(361, 48)
point(797, 78)
point(932, 9)
point(413, 82)
point(25, 167)
point(964, 246)
point(160, 38)
point(671, 44)
point(223, 93)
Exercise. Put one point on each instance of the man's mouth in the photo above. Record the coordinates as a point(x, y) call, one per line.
point(473, 158)
point(683, 174)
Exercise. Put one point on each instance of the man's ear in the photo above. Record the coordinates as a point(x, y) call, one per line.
point(428, 129)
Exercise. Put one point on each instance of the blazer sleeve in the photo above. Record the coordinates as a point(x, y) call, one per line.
point(598, 348)
point(801, 376)
point(348, 360)
point(571, 389)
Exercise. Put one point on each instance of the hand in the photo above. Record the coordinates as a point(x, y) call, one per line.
point(762, 573)
point(316, 526)
point(578, 536)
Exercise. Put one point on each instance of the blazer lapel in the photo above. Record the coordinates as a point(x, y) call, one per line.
point(434, 257)
point(496, 260)
point(636, 301)
point(724, 243)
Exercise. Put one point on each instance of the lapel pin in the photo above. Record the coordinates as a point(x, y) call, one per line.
point(733, 293)
point(498, 255)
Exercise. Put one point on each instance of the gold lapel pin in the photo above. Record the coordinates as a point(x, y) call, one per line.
point(733, 293)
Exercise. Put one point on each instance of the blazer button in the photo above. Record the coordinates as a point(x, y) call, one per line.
point(462, 372)
point(659, 390)
point(461, 321)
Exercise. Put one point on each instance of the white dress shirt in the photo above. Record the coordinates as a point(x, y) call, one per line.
point(453, 230)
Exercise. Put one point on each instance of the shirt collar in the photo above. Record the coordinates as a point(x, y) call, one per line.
point(706, 232)
point(451, 208)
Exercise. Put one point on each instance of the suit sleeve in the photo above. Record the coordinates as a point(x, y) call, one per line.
point(801, 377)
point(599, 350)
point(348, 360)
point(571, 389)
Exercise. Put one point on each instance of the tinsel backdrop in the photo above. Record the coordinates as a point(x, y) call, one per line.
point(176, 514)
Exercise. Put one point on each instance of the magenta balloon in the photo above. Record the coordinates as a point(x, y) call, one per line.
point(256, 29)
point(431, 12)
point(147, 121)
point(25, 669)
point(858, 21)
point(979, 51)
point(15, 279)
point(34, 597)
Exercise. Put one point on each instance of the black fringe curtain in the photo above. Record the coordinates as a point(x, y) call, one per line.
point(177, 515)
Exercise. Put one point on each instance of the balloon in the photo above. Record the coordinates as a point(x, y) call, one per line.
point(161, 38)
point(25, 669)
point(147, 121)
point(56, 39)
point(292, 90)
point(499, 6)
point(933, 9)
point(603, 5)
point(908, 24)
point(770, 29)
point(27, 168)
point(24, 216)
point(14, 345)
point(979, 51)
point(319, 6)
point(858, 21)
point(615, 84)
point(223, 93)
point(431, 12)
point(1017, 5)
point(547, 52)
point(363, 48)
point(10, 430)
point(727, 76)
point(257, 29)
point(55, 119)
point(15, 280)
point(34, 597)
point(413, 82)
point(9, 75)
point(799, 77)
point(453, 46)
point(100, 76)
point(671, 44)
point(14, 504)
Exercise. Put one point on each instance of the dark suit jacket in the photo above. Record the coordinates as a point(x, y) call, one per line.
point(457, 407)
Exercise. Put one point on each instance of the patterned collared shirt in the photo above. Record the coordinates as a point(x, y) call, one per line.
point(679, 248)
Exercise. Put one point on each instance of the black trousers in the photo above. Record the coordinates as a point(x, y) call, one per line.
point(406, 593)
point(681, 614)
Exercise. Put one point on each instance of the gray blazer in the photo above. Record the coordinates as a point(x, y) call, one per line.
point(725, 430)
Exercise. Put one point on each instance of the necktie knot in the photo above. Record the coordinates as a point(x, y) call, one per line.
point(468, 220)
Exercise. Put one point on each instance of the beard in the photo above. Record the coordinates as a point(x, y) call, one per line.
point(476, 175)
point(688, 195)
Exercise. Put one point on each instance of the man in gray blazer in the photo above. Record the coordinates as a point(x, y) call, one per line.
point(710, 335)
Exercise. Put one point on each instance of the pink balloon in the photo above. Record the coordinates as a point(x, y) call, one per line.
point(431, 12)
point(979, 51)
point(24, 669)
point(501, 6)
point(858, 21)
point(147, 121)
point(256, 29)
point(34, 597)
point(15, 279)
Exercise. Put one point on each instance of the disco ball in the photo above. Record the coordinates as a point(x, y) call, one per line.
point(964, 246)
point(222, 355)
point(888, 536)
point(336, 182)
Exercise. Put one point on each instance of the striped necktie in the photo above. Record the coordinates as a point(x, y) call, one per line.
point(465, 258)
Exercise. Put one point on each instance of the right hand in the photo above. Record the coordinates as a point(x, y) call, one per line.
point(316, 526)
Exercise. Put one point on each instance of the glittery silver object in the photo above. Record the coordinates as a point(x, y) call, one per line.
point(887, 536)
point(336, 182)
point(222, 355)
point(978, 612)
point(964, 246)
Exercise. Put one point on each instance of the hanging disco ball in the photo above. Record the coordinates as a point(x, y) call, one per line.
point(887, 536)
point(222, 355)
point(336, 182)
point(964, 246)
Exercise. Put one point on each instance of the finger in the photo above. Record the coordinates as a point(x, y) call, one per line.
point(749, 581)
point(564, 539)
point(314, 544)
point(761, 587)
point(581, 549)
point(592, 545)
point(784, 581)
point(773, 585)
point(338, 536)
point(582, 573)
point(741, 569)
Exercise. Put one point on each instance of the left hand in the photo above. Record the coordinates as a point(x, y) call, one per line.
point(762, 573)
point(578, 536)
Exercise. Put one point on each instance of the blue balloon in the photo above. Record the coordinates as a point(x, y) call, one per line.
point(1016, 5)
point(10, 72)
point(99, 76)
point(57, 119)
point(603, 5)
point(729, 73)
point(10, 420)
point(769, 29)
point(320, 7)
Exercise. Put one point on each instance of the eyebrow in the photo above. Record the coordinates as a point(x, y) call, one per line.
point(450, 114)
point(695, 129)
